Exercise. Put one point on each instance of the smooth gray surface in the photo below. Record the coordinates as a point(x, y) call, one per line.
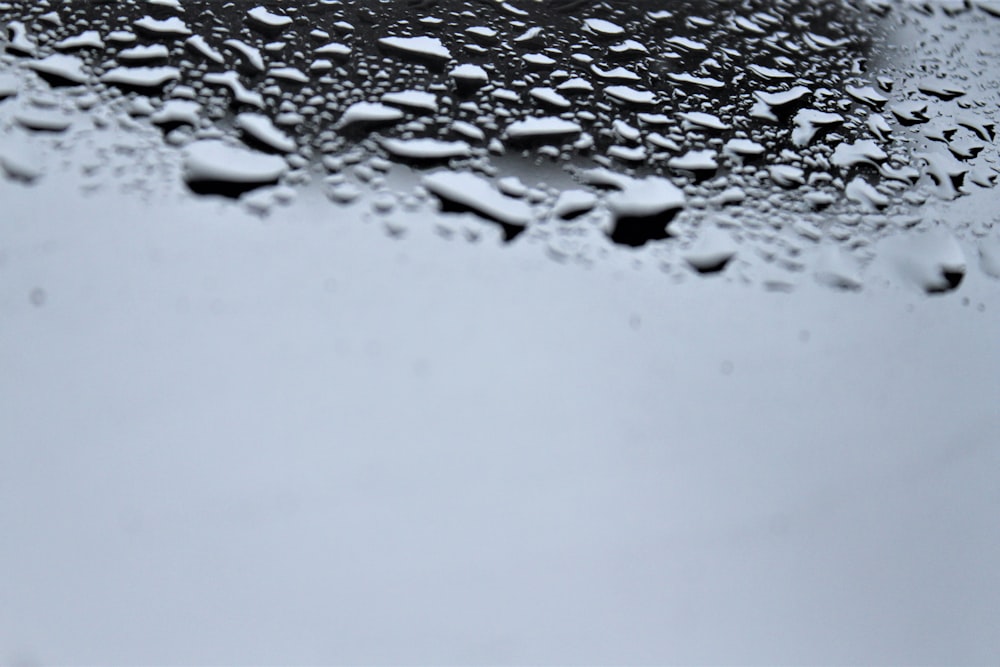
point(293, 441)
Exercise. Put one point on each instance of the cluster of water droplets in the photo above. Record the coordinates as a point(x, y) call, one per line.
point(761, 139)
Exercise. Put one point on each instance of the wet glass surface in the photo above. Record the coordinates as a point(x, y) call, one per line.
point(471, 331)
point(779, 138)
